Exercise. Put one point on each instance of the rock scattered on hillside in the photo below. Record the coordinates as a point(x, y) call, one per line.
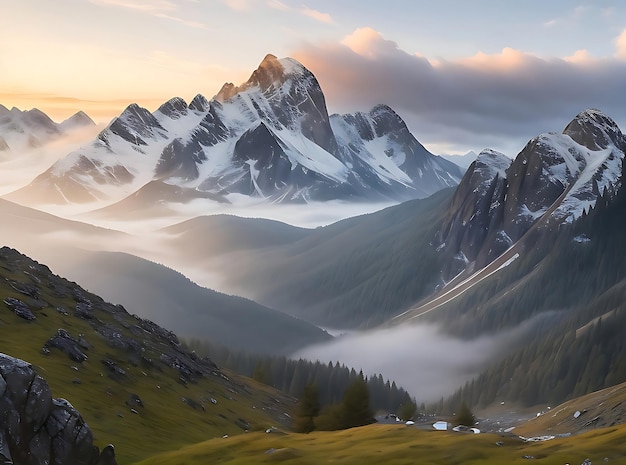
point(37, 429)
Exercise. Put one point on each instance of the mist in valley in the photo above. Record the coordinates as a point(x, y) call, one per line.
point(18, 168)
point(421, 358)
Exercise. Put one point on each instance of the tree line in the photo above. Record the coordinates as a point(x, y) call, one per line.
point(292, 376)
point(579, 274)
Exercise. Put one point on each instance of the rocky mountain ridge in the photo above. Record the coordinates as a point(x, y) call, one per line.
point(557, 177)
point(26, 130)
point(270, 137)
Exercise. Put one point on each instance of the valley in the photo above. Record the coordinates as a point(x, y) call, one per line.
point(283, 272)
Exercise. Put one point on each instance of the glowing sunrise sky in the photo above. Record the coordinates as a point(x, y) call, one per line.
point(463, 74)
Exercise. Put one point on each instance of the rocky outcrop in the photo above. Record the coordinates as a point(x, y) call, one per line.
point(37, 429)
point(556, 178)
point(474, 213)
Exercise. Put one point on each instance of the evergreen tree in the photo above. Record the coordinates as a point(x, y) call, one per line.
point(308, 408)
point(465, 416)
point(407, 410)
point(356, 404)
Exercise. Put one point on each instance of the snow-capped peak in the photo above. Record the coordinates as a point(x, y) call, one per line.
point(199, 103)
point(271, 136)
point(493, 162)
point(77, 120)
point(173, 108)
point(594, 130)
point(271, 74)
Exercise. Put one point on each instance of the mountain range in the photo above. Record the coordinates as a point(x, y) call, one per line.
point(537, 239)
point(270, 138)
point(530, 239)
point(25, 130)
point(423, 246)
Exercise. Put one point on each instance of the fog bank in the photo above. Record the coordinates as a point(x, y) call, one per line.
point(421, 358)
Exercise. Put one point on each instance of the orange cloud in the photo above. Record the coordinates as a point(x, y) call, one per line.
point(580, 57)
point(369, 43)
point(508, 59)
point(620, 43)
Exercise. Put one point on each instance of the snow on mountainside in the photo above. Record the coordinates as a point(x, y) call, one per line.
point(379, 143)
point(561, 175)
point(271, 138)
point(27, 130)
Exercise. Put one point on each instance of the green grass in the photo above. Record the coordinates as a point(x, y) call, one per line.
point(397, 445)
point(165, 422)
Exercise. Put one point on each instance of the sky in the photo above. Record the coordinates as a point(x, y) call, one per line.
point(463, 75)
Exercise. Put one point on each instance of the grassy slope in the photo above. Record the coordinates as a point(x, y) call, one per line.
point(165, 422)
point(395, 445)
point(601, 408)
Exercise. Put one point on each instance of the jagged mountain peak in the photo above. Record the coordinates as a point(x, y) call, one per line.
point(133, 109)
point(270, 136)
point(386, 120)
point(136, 115)
point(382, 109)
point(174, 107)
point(593, 129)
point(199, 103)
point(554, 179)
point(134, 125)
point(273, 71)
point(270, 74)
point(269, 71)
point(78, 119)
point(37, 118)
point(30, 129)
point(493, 161)
point(380, 120)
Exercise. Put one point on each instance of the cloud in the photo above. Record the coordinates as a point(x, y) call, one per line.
point(425, 361)
point(147, 6)
point(620, 43)
point(575, 16)
point(369, 43)
point(159, 8)
point(498, 100)
point(276, 5)
point(240, 5)
point(304, 10)
point(317, 15)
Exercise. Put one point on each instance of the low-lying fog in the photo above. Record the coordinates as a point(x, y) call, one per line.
point(19, 169)
point(421, 358)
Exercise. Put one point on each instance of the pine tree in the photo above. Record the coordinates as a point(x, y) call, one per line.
point(407, 411)
point(465, 416)
point(356, 404)
point(308, 408)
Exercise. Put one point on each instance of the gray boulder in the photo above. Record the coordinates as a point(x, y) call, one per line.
point(37, 429)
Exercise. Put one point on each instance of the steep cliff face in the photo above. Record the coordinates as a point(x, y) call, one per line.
point(555, 176)
point(476, 212)
point(37, 429)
